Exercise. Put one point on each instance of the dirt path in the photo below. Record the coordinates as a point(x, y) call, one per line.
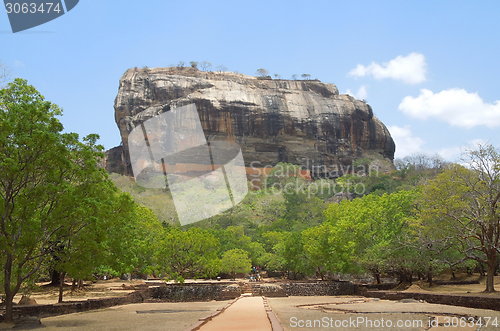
point(248, 313)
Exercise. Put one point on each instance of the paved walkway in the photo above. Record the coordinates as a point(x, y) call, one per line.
point(248, 313)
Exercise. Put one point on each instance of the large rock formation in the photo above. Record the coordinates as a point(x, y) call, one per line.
point(304, 122)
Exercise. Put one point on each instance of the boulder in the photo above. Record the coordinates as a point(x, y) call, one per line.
point(304, 122)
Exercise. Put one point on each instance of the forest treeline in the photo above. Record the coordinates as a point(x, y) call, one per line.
point(62, 215)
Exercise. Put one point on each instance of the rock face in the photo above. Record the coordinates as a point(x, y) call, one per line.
point(301, 122)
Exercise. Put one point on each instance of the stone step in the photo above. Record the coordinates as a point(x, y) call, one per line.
point(247, 288)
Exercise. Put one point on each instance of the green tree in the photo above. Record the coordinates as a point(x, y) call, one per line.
point(303, 209)
point(233, 237)
point(257, 254)
point(318, 250)
point(372, 234)
point(464, 204)
point(235, 261)
point(194, 64)
point(98, 207)
point(295, 261)
point(437, 251)
point(191, 253)
point(46, 183)
point(129, 241)
point(144, 232)
point(272, 242)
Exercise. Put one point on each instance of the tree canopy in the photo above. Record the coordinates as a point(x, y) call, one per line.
point(50, 183)
point(235, 261)
point(57, 204)
point(463, 203)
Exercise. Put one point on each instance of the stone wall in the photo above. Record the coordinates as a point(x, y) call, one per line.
point(269, 290)
point(305, 289)
point(70, 307)
point(479, 302)
point(320, 288)
point(196, 292)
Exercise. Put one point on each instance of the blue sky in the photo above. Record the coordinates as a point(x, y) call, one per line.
point(429, 69)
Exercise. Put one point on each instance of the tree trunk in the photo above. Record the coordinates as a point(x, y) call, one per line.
point(8, 307)
point(55, 278)
point(319, 273)
point(73, 285)
point(429, 277)
point(61, 286)
point(377, 278)
point(401, 278)
point(490, 287)
point(481, 269)
point(407, 277)
point(80, 284)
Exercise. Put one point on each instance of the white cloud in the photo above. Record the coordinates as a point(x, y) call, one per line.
point(361, 94)
point(450, 153)
point(453, 154)
point(19, 64)
point(410, 69)
point(406, 143)
point(474, 144)
point(454, 106)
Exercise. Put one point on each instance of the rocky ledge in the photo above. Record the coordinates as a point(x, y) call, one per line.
point(304, 122)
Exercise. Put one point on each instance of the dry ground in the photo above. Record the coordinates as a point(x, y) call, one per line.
point(359, 313)
point(143, 316)
point(326, 311)
point(44, 294)
point(290, 311)
point(469, 289)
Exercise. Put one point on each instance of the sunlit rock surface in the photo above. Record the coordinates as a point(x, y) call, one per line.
point(304, 122)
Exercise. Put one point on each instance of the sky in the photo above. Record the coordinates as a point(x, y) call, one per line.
point(429, 69)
